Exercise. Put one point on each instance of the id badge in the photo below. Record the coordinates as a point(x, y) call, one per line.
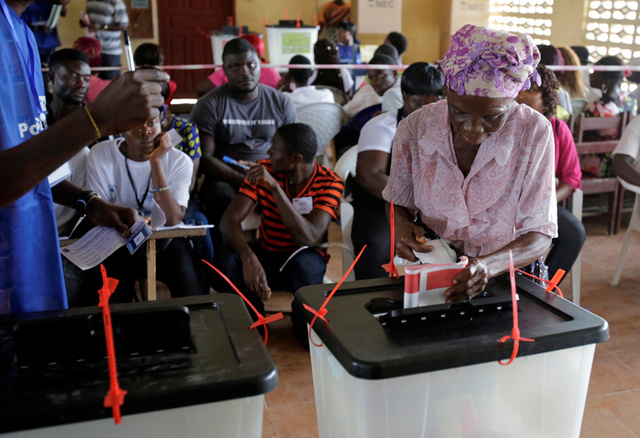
point(303, 205)
point(140, 232)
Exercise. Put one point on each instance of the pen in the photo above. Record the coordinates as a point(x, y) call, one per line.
point(230, 160)
point(128, 51)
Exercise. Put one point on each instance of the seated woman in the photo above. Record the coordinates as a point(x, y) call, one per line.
point(339, 81)
point(571, 233)
point(143, 171)
point(614, 101)
point(421, 84)
point(477, 169)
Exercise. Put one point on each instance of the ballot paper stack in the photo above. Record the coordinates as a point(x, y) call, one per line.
point(426, 282)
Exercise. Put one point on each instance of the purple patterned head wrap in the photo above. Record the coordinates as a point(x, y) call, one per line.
point(489, 63)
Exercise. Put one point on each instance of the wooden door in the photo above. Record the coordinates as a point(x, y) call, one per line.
point(184, 36)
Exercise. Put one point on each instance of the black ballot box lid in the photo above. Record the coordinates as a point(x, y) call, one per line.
point(356, 336)
point(170, 354)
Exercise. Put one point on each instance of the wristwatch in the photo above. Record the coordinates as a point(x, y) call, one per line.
point(83, 201)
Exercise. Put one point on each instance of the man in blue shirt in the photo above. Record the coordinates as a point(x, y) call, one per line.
point(30, 269)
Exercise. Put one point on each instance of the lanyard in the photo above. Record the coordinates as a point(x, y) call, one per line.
point(135, 189)
point(28, 71)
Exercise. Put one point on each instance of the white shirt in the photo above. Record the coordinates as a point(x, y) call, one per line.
point(305, 95)
point(377, 134)
point(364, 98)
point(77, 177)
point(629, 144)
point(392, 98)
point(107, 176)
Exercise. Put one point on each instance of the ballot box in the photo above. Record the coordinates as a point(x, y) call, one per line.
point(285, 40)
point(190, 366)
point(384, 371)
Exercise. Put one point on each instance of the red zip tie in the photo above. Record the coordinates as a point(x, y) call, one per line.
point(115, 397)
point(298, 20)
point(323, 311)
point(515, 332)
point(391, 267)
point(551, 284)
point(261, 319)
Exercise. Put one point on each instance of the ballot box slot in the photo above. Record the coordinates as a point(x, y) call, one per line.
point(80, 338)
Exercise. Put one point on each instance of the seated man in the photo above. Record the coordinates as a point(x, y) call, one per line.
point(237, 120)
point(421, 84)
point(91, 47)
point(69, 74)
point(268, 76)
point(399, 41)
point(349, 50)
point(298, 199)
point(626, 154)
point(143, 171)
point(150, 55)
point(303, 93)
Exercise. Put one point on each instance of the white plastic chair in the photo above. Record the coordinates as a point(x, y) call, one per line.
point(634, 225)
point(578, 104)
point(325, 119)
point(344, 167)
point(576, 209)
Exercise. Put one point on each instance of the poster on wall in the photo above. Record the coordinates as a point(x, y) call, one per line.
point(469, 12)
point(379, 16)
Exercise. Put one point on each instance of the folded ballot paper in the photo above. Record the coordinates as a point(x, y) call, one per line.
point(425, 283)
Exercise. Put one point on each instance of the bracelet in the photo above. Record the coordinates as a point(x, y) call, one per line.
point(160, 189)
point(93, 122)
point(82, 203)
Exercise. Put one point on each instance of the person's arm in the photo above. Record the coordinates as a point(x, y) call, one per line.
point(627, 168)
point(563, 191)
point(173, 211)
point(111, 27)
point(214, 166)
point(233, 237)
point(99, 211)
point(409, 237)
point(473, 279)
point(568, 166)
point(127, 102)
point(371, 171)
point(305, 230)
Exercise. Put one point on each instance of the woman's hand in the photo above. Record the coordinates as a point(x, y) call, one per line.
point(163, 145)
point(409, 237)
point(469, 283)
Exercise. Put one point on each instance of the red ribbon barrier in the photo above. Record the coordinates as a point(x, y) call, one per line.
point(515, 332)
point(391, 267)
point(115, 397)
point(320, 313)
point(261, 319)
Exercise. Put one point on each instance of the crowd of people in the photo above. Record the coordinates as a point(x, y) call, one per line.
point(474, 150)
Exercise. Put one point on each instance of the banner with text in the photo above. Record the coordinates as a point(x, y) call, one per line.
point(379, 16)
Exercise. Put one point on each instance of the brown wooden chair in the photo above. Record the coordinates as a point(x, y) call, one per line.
point(592, 184)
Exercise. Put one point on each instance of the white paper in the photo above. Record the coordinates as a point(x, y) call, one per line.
point(158, 218)
point(442, 253)
point(182, 226)
point(61, 173)
point(95, 246)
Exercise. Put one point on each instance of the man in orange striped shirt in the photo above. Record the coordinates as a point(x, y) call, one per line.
point(298, 198)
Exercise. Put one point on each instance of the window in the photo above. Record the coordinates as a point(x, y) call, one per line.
point(532, 17)
point(613, 29)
